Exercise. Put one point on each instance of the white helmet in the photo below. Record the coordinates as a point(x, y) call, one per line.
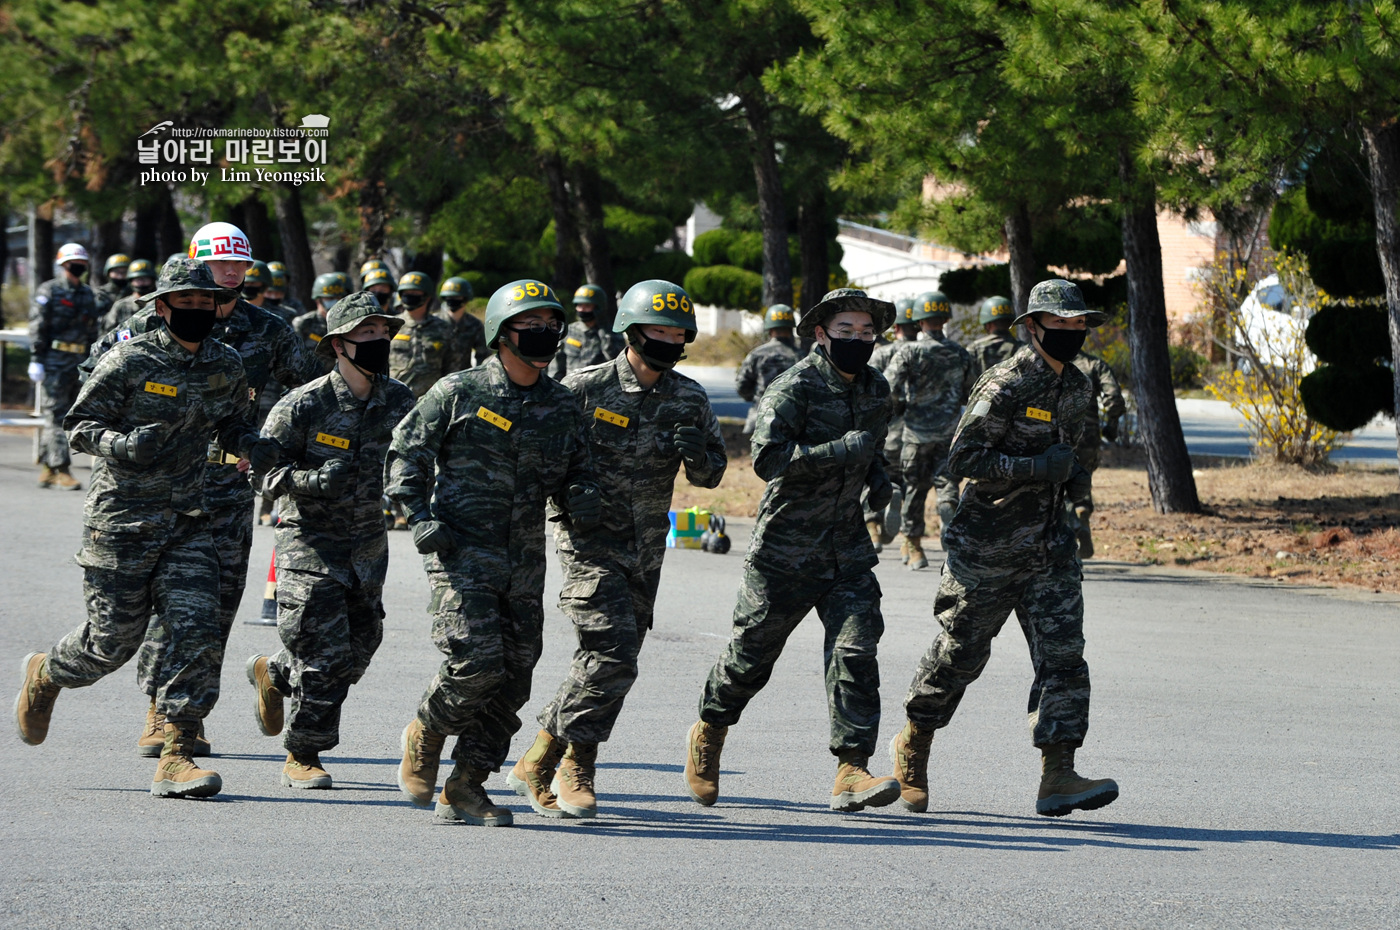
point(220, 242)
point(71, 252)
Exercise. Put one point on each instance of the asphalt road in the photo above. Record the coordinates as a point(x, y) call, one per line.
point(1253, 729)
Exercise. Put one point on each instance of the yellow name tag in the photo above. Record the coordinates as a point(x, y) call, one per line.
point(495, 419)
point(314, 337)
point(169, 390)
point(1035, 413)
point(575, 343)
point(329, 440)
point(402, 337)
point(607, 416)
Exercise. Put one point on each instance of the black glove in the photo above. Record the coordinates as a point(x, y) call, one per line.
point(263, 455)
point(1054, 464)
point(1080, 485)
point(1110, 430)
point(881, 491)
point(690, 442)
point(431, 535)
point(585, 505)
point(331, 480)
point(137, 446)
point(856, 444)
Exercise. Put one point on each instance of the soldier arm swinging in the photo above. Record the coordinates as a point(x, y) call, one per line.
point(709, 472)
point(411, 463)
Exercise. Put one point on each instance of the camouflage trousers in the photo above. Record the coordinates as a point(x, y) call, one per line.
point(972, 604)
point(610, 605)
point(329, 633)
point(925, 466)
point(57, 392)
point(492, 640)
point(127, 577)
point(770, 606)
point(232, 531)
point(895, 471)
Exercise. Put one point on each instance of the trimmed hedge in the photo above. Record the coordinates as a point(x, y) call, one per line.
point(725, 286)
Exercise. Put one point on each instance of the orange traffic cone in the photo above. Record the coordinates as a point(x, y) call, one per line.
point(269, 605)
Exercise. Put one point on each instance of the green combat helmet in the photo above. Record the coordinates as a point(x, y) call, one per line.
point(330, 287)
point(656, 303)
point(591, 294)
point(903, 311)
point(514, 299)
point(779, 316)
point(182, 273)
point(931, 305)
point(453, 288)
point(349, 313)
point(115, 261)
point(1059, 297)
point(370, 265)
point(377, 276)
point(416, 281)
point(279, 275)
point(841, 300)
point(258, 276)
point(994, 310)
point(140, 268)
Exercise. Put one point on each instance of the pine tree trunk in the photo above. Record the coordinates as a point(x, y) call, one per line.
point(1383, 159)
point(44, 251)
point(144, 243)
point(772, 214)
point(568, 271)
point(107, 242)
point(373, 219)
point(1017, 228)
point(1159, 426)
point(258, 228)
point(170, 234)
point(296, 248)
point(812, 234)
point(593, 237)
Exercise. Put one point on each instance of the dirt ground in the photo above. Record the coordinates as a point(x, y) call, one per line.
point(1338, 527)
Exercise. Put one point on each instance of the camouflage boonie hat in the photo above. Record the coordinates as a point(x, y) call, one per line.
point(845, 299)
point(351, 312)
point(187, 274)
point(1060, 298)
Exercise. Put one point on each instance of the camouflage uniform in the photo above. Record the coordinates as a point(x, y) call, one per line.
point(332, 555)
point(486, 453)
point(311, 327)
point(108, 294)
point(1009, 549)
point(929, 380)
point(289, 308)
point(584, 346)
point(810, 549)
point(992, 349)
point(62, 325)
point(422, 352)
point(611, 571)
point(1104, 386)
point(881, 360)
point(146, 542)
point(759, 369)
point(468, 338)
point(120, 312)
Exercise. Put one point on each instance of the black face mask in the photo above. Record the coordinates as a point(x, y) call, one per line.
point(1062, 344)
point(533, 346)
point(586, 317)
point(143, 289)
point(252, 292)
point(371, 355)
point(78, 270)
point(659, 356)
point(850, 355)
point(274, 301)
point(454, 305)
point(190, 325)
point(411, 301)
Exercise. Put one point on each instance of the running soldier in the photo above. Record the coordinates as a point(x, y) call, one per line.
point(473, 464)
point(1109, 396)
point(646, 422)
point(761, 367)
point(63, 320)
point(332, 550)
point(998, 344)
point(327, 291)
point(586, 343)
point(141, 276)
point(1010, 550)
point(818, 440)
point(114, 283)
point(378, 282)
point(423, 350)
point(278, 299)
point(883, 525)
point(146, 416)
point(468, 335)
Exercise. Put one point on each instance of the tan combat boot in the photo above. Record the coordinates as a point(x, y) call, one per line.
point(1081, 532)
point(573, 783)
point(176, 774)
point(1062, 790)
point(152, 739)
point(909, 750)
point(202, 747)
point(873, 527)
point(703, 745)
point(904, 551)
point(464, 798)
point(856, 789)
point(534, 773)
point(62, 479)
point(917, 559)
point(303, 770)
point(34, 704)
point(46, 476)
point(267, 706)
point(422, 753)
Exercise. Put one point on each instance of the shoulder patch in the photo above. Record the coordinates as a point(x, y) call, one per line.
point(980, 409)
point(123, 335)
